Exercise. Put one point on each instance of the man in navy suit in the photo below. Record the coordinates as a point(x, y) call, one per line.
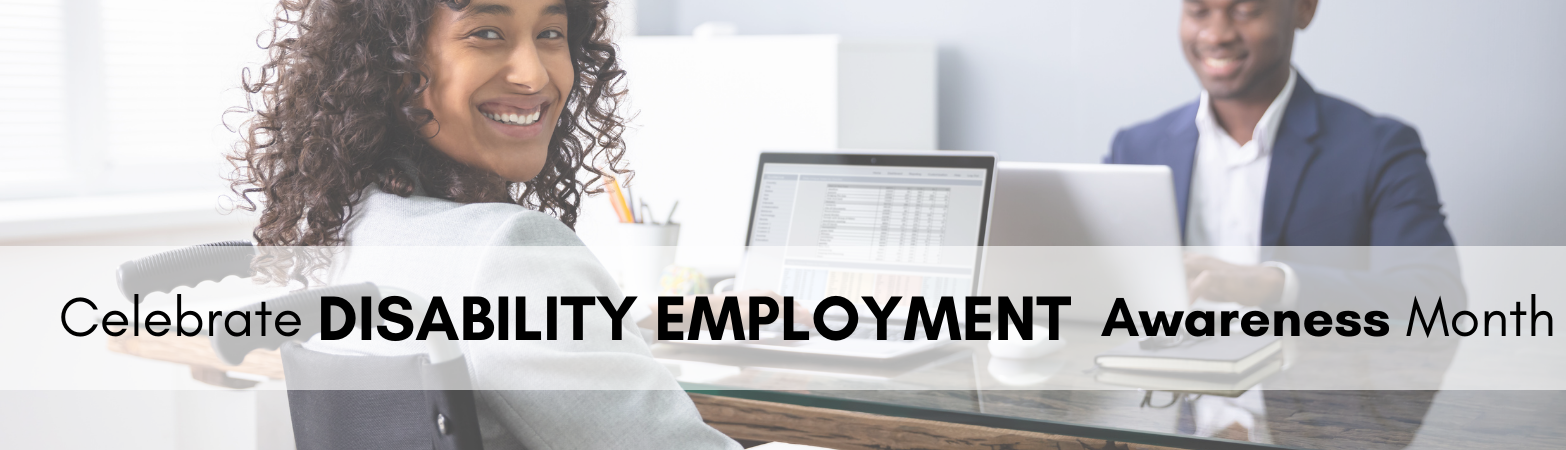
point(1262, 159)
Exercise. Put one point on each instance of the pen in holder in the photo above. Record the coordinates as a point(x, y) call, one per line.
point(646, 250)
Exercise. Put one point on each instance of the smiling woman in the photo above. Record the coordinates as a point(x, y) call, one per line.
point(484, 101)
point(447, 125)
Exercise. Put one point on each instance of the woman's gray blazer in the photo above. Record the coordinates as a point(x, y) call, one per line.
point(596, 393)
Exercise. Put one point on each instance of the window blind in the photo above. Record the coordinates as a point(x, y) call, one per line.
point(32, 68)
point(113, 96)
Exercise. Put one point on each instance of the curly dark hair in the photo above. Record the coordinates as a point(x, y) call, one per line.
point(335, 109)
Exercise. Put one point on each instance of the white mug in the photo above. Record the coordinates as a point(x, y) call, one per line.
point(645, 250)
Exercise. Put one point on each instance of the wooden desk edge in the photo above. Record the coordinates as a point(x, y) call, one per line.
point(196, 351)
point(845, 430)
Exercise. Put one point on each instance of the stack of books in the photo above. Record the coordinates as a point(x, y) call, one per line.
point(1226, 365)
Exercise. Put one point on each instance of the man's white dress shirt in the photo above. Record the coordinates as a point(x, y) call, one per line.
point(1229, 185)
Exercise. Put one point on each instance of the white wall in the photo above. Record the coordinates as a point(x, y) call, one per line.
point(703, 110)
point(1051, 80)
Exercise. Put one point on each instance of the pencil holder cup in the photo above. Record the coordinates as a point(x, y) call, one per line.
point(645, 250)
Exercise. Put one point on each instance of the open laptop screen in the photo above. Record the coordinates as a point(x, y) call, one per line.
point(867, 224)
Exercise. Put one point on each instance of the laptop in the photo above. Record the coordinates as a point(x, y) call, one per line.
point(866, 223)
point(1095, 232)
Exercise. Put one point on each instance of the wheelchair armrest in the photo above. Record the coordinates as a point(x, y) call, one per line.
point(188, 266)
point(305, 303)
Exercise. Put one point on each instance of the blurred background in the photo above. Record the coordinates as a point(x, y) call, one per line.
point(112, 125)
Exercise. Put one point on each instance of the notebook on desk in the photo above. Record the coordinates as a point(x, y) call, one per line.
point(1213, 384)
point(1223, 355)
point(1222, 365)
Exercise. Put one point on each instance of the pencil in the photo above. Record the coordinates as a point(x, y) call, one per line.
point(630, 203)
point(617, 199)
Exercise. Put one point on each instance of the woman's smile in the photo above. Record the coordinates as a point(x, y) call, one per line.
point(518, 119)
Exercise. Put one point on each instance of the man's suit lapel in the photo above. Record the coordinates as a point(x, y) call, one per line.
point(1291, 154)
point(1178, 151)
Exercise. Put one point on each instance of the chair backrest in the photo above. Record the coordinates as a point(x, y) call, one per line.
point(397, 401)
point(335, 401)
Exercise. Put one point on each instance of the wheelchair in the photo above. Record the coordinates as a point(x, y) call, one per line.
point(420, 401)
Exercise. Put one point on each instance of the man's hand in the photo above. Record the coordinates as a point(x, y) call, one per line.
point(1216, 280)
